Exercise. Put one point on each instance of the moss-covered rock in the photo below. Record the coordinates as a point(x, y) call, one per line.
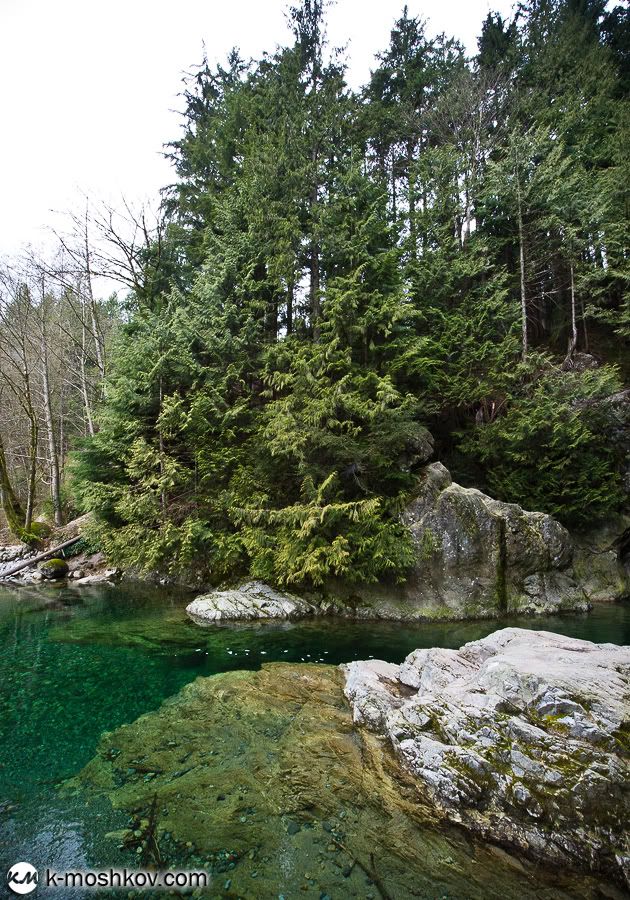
point(479, 557)
point(521, 737)
point(41, 530)
point(54, 569)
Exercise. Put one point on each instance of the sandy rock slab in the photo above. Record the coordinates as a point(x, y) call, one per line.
point(253, 600)
point(522, 737)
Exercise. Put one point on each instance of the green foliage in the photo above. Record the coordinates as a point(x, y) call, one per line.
point(347, 271)
point(551, 449)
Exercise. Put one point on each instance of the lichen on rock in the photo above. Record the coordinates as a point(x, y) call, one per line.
point(519, 737)
point(486, 557)
point(253, 600)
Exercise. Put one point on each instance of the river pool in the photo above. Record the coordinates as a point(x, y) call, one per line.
point(75, 663)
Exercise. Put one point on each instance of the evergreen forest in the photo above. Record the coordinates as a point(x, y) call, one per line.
point(339, 283)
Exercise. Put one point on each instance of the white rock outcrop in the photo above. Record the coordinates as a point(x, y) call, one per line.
point(253, 600)
point(522, 737)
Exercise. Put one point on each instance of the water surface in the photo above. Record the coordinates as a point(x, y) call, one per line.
point(76, 663)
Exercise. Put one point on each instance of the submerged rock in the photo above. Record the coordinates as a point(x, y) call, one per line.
point(253, 600)
point(263, 775)
point(523, 737)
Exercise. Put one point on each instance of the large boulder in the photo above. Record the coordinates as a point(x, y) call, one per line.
point(522, 737)
point(481, 557)
point(263, 777)
point(54, 569)
point(601, 559)
point(253, 600)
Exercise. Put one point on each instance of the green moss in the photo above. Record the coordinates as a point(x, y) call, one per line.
point(482, 781)
point(622, 739)
point(41, 530)
point(466, 513)
point(501, 583)
point(54, 569)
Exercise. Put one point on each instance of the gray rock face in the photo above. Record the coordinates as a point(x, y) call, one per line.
point(522, 737)
point(108, 576)
point(254, 600)
point(478, 556)
point(602, 559)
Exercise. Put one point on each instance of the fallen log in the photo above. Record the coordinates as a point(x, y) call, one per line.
point(25, 563)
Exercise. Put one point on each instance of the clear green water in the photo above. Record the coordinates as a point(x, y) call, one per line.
point(74, 664)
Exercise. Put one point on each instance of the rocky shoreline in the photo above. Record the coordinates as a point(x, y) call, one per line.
point(84, 569)
point(522, 737)
point(476, 558)
point(373, 773)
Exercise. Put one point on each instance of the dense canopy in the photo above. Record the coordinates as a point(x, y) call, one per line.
point(339, 275)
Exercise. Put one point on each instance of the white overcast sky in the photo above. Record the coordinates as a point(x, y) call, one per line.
point(88, 88)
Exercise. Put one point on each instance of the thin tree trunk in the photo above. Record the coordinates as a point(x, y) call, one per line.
point(468, 214)
point(316, 310)
point(394, 198)
point(573, 335)
point(84, 387)
point(32, 471)
point(98, 346)
point(290, 290)
point(53, 453)
point(27, 405)
point(413, 238)
point(314, 261)
point(521, 253)
point(62, 430)
point(161, 439)
point(584, 328)
point(10, 504)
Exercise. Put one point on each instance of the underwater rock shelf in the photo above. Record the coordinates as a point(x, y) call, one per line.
point(264, 779)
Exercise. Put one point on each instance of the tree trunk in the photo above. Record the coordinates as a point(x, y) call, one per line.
point(289, 321)
point(411, 182)
point(584, 328)
point(573, 336)
point(314, 257)
point(96, 331)
point(521, 253)
point(316, 311)
point(32, 470)
point(84, 387)
point(163, 498)
point(53, 453)
point(10, 504)
point(394, 198)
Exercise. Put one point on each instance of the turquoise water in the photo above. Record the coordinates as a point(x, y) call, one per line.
point(75, 663)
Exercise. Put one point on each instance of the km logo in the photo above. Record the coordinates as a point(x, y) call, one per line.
point(22, 878)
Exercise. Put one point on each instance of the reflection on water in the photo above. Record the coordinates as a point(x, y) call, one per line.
point(75, 664)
